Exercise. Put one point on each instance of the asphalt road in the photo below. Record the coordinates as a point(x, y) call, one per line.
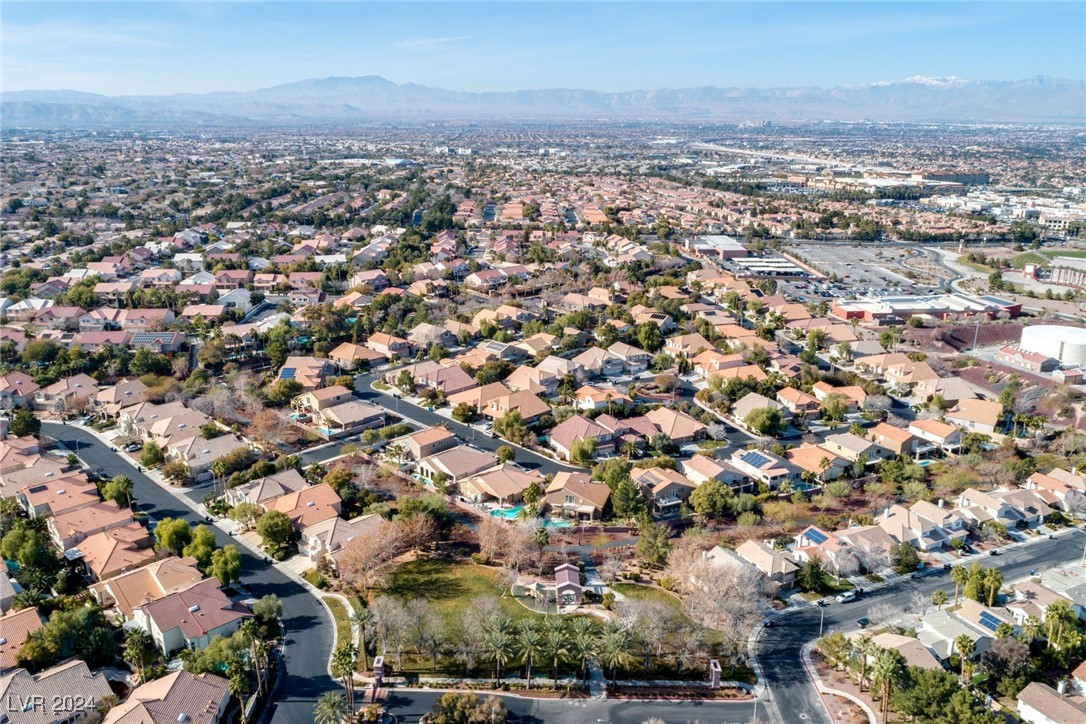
point(526, 459)
point(779, 647)
point(409, 706)
point(309, 629)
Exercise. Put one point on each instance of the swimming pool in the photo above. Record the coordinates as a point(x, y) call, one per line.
point(924, 463)
point(507, 513)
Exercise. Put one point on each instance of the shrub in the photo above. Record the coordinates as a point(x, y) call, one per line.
point(314, 578)
point(608, 601)
point(479, 558)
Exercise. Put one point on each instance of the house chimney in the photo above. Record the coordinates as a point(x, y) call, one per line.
point(942, 503)
point(1061, 687)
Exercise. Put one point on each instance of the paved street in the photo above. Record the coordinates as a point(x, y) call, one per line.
point(779, 647)
point(409, 706)
point(309, 630)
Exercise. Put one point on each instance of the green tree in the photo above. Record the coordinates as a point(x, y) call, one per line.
point(649, 336)
point(627, 501)
point(765, 421)
point(964, 646)
point(344, 662)
point(201, 546)
point(119, 490)
point(812, 575)
point(151, 455)
point(177, 472)
point(906, 559)
point(506, 454)
point(465, 412)
point(965, 707)
point(172, 534)
point(276, 530)
point(939, 597)
point(331, 708)
point(652, 543)
point(226, 565)
point(923, 692)
point(711, 498)
point(887, 673)
point(136, 644)
point(24, 423)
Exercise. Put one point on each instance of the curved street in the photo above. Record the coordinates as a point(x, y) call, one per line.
point(309, 629)
point(794, 694)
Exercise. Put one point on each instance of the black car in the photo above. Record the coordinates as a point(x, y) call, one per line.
point(918, 575)
point(863, 622)
point(994, 552)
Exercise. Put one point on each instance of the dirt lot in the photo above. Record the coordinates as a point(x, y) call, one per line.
point(947, 339)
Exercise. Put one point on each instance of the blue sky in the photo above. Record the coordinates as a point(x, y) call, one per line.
point(160, 47)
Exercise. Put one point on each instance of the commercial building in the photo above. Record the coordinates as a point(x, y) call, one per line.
point(1066, 344)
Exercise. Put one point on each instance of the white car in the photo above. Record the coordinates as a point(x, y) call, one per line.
point(846, 597)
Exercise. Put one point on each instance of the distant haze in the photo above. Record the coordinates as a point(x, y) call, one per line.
point(368, 98)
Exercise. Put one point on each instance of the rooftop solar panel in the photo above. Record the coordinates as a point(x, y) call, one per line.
point(755, 458)
point(989, 621)
point(817, 536)
point(287, 374)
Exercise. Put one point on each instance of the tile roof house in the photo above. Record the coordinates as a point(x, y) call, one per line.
point(765, 466)
point(701, 468)
point(389, 345)
point(15, 628)
point(176, 697)
point(677, 425)
point(349, 356)
point(64, 691)
point(504, 484)
point(66, 394)
point(70, 529)
point(432, 440)
point(326, 538)
point(981, 416)
point(307, 371)
point(817, 461)
point(924, 525)
point(665, 489)
point(110, 400)
point(17, 389)
point(198, 453)
point(894, 439)
point(190, 618)
point(534, 380)
point(126, 591)
point(530, 407)
point(796, 401)
point(1039, 703)
point(116, 550)
point(777, 565)
point(347, 418)
point(562, 437)
point(937, 434)
point(914, 652)
point(457, 463)
point(307, 506)
point(596, 398)
point(57, 496)
point(577, 494)
point(262, 490)
point(852, 447)
point(752, 401)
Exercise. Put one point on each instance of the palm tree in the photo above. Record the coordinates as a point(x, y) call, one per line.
point(964, 646)
point(331, 708)
point(889, 667)
point(1031, 628)
point(614, 648)
point(556, 644)
point(863, 647)
point(249, 630)
point(938, 597)
point(498, 641)
point(362, 620)
point(993, 581)
point(238, 677)
point(1057, 616)
point(584, 642)
point(135, 648)
point(530, 641)
point(960, 576)
point(344, 661)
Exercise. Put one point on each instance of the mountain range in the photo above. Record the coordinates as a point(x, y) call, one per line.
point(345, 100)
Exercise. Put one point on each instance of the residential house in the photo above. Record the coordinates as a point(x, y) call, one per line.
point(853, 447)
point(69, 529)
point(504, 485)
point(125, 591)
point(457, 463)
point(817, 462)
point(307, 506)
point(176, 697)
point(316, 400)
point(534, 380)
point(910, 649)
point(446, 380)
point(530, 407)
point(262, 490)
point(937, 434)
point(125, 393)
point(190, 618)
point(57, 496)
point(69, 394)
point(58, 695)
point(666, 490)
point(114, 551)
point(680, 427)
point(599, 362)
point(17, 389)
point(633, 359)
point(981, 416)
point(388, 345)
point(15, 629)
point(895, 439)
point(752, 401)
point(799, 402)
point(776, 565)
point(924, 525)
point(814, 542)
point(702, 468)
point(479, 397)
point(562, 437)
point(325, 539)
point(852, 395)
point(980, 507)
point(350, 356)
point(432, 440)
point(1039, 703)
point(198, 453)
point(577, 495)
point(309, 372)
point(589, 397)
point(764, 466)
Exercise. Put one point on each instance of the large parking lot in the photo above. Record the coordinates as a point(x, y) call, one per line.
point(865, 270)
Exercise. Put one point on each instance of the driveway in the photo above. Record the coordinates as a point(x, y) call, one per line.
point(310, 632)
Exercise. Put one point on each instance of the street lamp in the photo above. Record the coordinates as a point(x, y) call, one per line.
point(821, 617)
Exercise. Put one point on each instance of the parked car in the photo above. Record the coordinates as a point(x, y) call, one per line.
point(994, 552)
point(133, 447)
point(846, 596)
point(863, 622)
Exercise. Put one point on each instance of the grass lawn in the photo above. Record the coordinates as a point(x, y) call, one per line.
point(638, 592)
point(340, 616)
point(451, 586)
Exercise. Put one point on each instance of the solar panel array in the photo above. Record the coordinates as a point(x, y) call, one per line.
point(816, 535)
point(755, 458)
point(287, 374)
point(989, 621)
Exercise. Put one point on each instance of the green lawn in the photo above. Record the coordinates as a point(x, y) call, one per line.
point(1030, 257)
point(340, 616)
point(451, 586)
point(644, 593)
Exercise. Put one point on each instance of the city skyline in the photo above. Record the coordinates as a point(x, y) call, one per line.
point(162, 48)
